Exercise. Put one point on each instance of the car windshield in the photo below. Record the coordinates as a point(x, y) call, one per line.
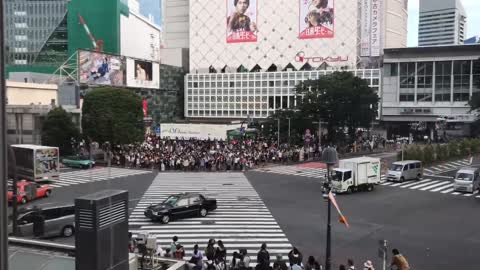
point(172, 200)
point(397, 168)
point(464, 176)
point(337, 176)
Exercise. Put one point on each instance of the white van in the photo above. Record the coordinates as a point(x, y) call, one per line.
point(467, 180)
point(405, 170)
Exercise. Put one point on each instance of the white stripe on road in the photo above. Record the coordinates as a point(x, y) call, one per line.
point(415, 183)
point(442, 188)
point(436, 185)
point(447, 191)
point(424, 184)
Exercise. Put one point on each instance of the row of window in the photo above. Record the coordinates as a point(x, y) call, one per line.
point(245, 114)
point(373, 82)
point(441, 97)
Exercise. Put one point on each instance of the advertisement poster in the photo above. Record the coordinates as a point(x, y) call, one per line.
point(365, 27)
point(375, 36)
point(99, 68)
point(241, 21)
point(46, 161)
point(316, 19)
point(142, 74)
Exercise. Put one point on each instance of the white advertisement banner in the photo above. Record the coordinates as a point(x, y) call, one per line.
point(375, 38)
point(143, 74)
point(195, 131)
point(366, 19)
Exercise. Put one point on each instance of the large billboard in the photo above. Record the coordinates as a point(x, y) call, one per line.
point(142, 74)
point(241, 21)
point(317, 19)
point(100, 68)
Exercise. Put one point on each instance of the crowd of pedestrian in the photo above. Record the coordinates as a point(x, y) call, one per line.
point(208, 155)
point(214, 257)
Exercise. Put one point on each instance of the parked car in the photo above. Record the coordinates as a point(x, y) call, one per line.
point(181, 206)
point(46, 222)
point(81, 162)
point(29, 191)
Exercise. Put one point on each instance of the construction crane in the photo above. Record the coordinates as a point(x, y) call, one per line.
point(98, 45)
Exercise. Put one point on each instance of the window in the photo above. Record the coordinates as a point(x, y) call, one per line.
point(461, 80)
point(407, 75)
point(443, 71)
point(476, 76)
point(424, 81)
point(21, 38)
point(195, 200)
point(20, 13)
point(21, 25)
point(182, 202)
point(347, 175)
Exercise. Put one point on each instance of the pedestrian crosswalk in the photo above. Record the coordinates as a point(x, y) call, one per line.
point(295, 170)
point(241, 219)
point(92, 175)
point(301, 170)
point(446, 167)
point(431, 185)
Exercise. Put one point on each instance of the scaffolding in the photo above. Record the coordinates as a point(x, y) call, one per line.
point(67, 72)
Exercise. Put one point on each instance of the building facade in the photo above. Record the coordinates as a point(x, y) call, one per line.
point(35, 32)
point(442, 22)
point(176, 28)
point(251, 94)
point(295, 34)
point(422, 85)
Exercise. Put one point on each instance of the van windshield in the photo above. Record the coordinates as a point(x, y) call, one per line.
point(397, 168)
point(464, 176)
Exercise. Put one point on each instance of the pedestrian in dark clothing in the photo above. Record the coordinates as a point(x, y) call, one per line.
point(342, 267)
point(220, 252)
point(310, 263)
point(351, 265)
point(210, 250)
point(263, 258)
point(279, 264)
point(295, 256)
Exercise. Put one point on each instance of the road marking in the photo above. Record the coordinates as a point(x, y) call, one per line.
point(434, 186)
point(447, 191)
point(430, 171)
point(456, 193)
point(468, 195)
point(397, 184)
point(424, 184)
point(440, 176)
point(415, 183)
point(241, 219)
point(386, 183)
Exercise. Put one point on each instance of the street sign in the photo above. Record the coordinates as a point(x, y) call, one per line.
point(157, 130)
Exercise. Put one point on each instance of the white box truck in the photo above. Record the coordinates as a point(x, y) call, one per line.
point(356, 174)
point(37, 163)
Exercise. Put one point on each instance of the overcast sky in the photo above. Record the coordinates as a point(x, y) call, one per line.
point(472, 8)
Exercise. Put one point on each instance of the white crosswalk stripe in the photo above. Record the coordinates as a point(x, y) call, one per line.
point(92, 175)
point(448, 166)
point(241, 219)
point(295, 170)
point(440, 186)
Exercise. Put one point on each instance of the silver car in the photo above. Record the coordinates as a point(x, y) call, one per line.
point(46, 222)
point(405, 170)
point(467, 180)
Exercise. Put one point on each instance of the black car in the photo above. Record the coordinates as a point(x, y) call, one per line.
point(181, 206)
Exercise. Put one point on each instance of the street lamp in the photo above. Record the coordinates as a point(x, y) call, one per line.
point(278, 132)
point(288, 131)
point(330, 157)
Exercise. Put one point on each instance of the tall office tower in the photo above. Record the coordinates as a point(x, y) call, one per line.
point(442, 22)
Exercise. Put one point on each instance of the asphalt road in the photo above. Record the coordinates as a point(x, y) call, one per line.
point(435, 231)
point(135, 185)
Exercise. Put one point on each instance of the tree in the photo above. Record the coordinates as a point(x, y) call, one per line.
point(112, 115)
point(343, 101)
point(59, 130)
point(298, 125)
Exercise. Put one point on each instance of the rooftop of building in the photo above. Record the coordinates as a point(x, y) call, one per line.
point(471, 51)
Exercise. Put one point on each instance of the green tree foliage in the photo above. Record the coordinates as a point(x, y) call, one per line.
point(113, 115)
point(58, 130)
point(298, 125)
point(428, 155)
point(341, 100)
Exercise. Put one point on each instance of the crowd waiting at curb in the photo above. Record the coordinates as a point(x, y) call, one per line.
point(208, 155)
point(214, 257)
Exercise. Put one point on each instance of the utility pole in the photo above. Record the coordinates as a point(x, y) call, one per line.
point(3, 152)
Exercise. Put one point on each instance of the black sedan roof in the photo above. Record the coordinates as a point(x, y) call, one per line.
point(187, 194)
